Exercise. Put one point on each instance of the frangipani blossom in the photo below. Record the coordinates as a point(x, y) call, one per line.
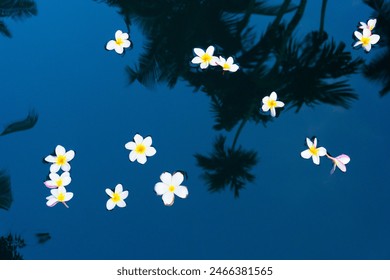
point(58, 195)
point(205, 58)
point(117, 198)
point(60, 160)
point(339, 161)
point(120, 43)
point(366, 39)
point(140, 148)
point(57, 181)
point(170, 186)
point(313, 151)
point(370, 25)
point(227, 65)
point(270, 103)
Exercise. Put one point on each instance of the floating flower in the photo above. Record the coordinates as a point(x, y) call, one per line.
point(339, 161)
point(270, 103)
point(366, 39)
point(57, 181)
point(58, 195)
point(116, 198)
point(227, 65)
point(370, 25)
point(205, 58)
point(121, 41)
point(313, 151)
point(60, 161)
point(170, 186)
point(140, 148)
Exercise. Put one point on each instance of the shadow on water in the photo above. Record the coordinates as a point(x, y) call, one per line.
point(307, 71)
point(15, 9)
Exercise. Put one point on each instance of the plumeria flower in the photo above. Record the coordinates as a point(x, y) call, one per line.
point(58, 195)
point(227, 65)
point(270, 103)
point(366, 39)
point(57, 181)
point(116, 198)
point(339, 161)
point(120, 43)
point(60, 160)
point(370, 25)
point(140, 148)
point(313, 151)
point(205, 58)
point(170, 186)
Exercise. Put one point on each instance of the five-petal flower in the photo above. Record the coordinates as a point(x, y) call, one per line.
point(270, 103)
point(120, 43)
point(117, 198)
point(60, 160)
point(366, 39)
point(227, 64)
point(205, 58)
point(57, 181)
point(339, 161)
point(59, 195)
point(313, 152)
point(170, 186)
point(140, 148)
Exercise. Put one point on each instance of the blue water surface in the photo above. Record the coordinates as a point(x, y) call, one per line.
point(56, 64)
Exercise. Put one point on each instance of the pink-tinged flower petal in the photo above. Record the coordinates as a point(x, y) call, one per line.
point(166, 178)
point(333, 168)
point(315, 142)
point(306, 154)
point(199, 52)
point(358, 35)
point(160, 188)
point(321, 151)
point(214, 61)
point(343, 158)
point(374, 39)
point(181, 191)
point(177, 179)
point(52, 202)
point(168, 198)
point(50, 184)
point(341, 166)
point(110, 204)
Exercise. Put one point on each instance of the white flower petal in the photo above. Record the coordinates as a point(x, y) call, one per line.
point(371, 24)
point(160, 188)
point(141, 158)
point(118, 188)
point(374, 39)
point(367, 47)
point(51, 202)
point(147, 141)
point(273, 112)
point(343, 158)
point(279, 104)
point(315, 142)
point(109, 192)
point(150, 151)
point(51, 158)
point(110, 204)
point(321, 151)
point(181, 191)
point(118, 34)
point(68, 196)
point(119, 49)
point(60, 150)
point(110, 45)
point(196, 60)
point(233, 68)
point(177, 179)
point(124, 194)
point(316, 159)
point(199, 52)
point(168, 198)
point(265, 108)
point(133, 156)
point(306, 154)
point(130, 145)
point(273, 96)
point(166, 178)
point(54, 168)
point(66, 181)
point(54, 176)
point(138, 139)
point(341, 166)
point(210, 50)
point(366, 33)
point(204, 65)
point(265, 99)
point(121, 203)
point(65, 167)
point(69, 155)
point(357, 43)
point(214, 61)
point(358, 34)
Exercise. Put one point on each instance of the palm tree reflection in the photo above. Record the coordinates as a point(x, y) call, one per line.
point(303, 72)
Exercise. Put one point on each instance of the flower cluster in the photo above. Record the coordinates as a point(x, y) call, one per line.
point(366, 38)
point(57, 182)
point(206, 58)
point(315, 153)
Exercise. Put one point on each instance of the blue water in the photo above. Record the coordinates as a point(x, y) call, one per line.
point(56, 64)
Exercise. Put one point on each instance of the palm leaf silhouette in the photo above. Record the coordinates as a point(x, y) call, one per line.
point(5, 191)
point(15, 9)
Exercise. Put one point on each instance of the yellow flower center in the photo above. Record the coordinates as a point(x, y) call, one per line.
point(313, 150)
point(61, 197)
point(119, 41)
point(226, 66)
point(61, 160)
point(116, 197)
point(171, 188)
point(206, 57)
point(140, 149)
point(271, 103)
point(59, 183)
point(365, 41)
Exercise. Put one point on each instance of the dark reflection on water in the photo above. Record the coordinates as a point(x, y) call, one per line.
point(307, 71)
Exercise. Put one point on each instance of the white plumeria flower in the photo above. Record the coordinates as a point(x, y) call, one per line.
point(57, 181)
point(205, 58)
point(227, 65)
point(370, 25)
point(339, 161)
point(270, 103)
point(120, 43)
point(140, 148)
point(117, 198)
point(366, 39)
point(313, 151)
point(60, 160)
point(170, 186)
point(58, 195)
